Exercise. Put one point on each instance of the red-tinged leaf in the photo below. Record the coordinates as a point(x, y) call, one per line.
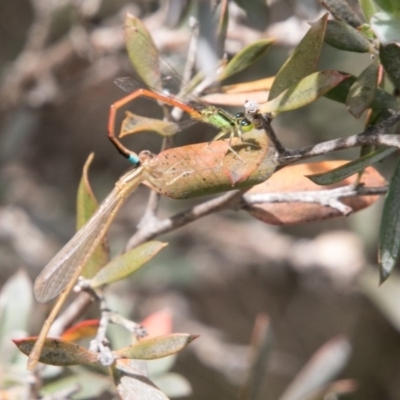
point(134, 123)
point(142, 51)
point(208, 168)
point(303, 60)
point(246, 57)
point(389, 234)
point(58, 352)
point(304, 92)
point(158, 323)
point(363, 90)
point(156, 347)
point(81, 330)
point(293, 179)
point(86, 205)
point(129, 262)
point(344, 37)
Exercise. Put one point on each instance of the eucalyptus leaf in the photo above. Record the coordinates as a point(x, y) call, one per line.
point(344, 37)
point(390, 58)
point(156, 347)
point(59, 352)
point(246, 57)
point(351, 168)
point(382, 100)
point(303, 60)
point(129, 262)
point(363, 90)
point(86, 205)
point(304, 92)
point(389, 233)
point(341, 10)
point(369, 8)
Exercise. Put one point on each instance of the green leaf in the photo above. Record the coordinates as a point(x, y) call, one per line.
point(86, 200)
point(390, 58)
point(389, 234)
point(390, 6)
point(344, 37)
point(386, 28)
point(304, 92)
point(363, 90)
point(383, 101)
point(341, 10)
point(58, 352)
point(86, 207)
point(142, 52)
point(303, 60)
point(156, 347)
point(129, 262)
point(246, 57)
point(351, 168)
point(368, 8)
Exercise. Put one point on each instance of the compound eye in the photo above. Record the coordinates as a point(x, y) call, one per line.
point(246, 125)
point(239, 115)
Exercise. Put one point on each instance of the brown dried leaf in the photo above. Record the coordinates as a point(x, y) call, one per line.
point(208, 168)
point(293, 179)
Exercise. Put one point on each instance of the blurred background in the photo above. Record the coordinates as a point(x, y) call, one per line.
point(58, 60)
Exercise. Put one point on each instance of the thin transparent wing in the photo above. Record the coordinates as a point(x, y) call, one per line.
point(59, 271)
point(128, 84)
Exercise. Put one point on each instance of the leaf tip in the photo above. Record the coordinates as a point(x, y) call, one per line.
point(383, 275)
point(192, 337)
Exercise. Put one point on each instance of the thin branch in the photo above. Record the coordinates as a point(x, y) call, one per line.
point(236, 200)
point(374, 135)
point(326, 198)
point(157, 227)
point(100, 344)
